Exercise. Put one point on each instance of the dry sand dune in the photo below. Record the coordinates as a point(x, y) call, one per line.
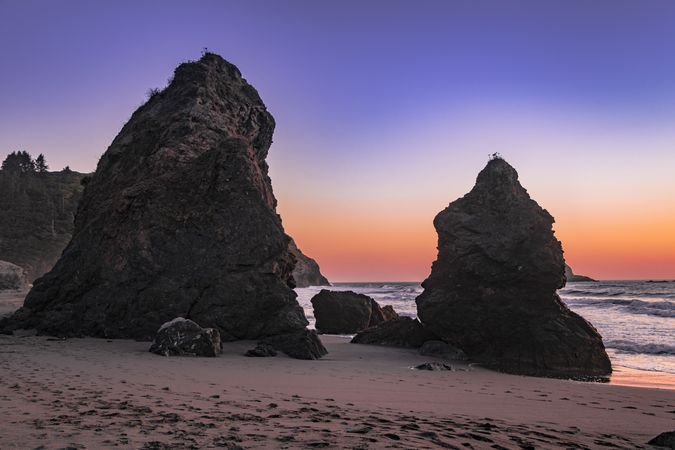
point(94, 393)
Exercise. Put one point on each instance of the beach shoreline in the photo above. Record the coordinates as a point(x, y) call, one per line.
point(98, 393)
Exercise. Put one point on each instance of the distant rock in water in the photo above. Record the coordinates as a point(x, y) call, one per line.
point(306, 272)
point(179, 220)
point(12, 277)
point(183, 337)
point(37, 217)
point(571, 276)
point(492, 289)
point(346, 312)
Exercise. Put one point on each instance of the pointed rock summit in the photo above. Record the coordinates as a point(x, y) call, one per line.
point(179, 220)
point(492, 290)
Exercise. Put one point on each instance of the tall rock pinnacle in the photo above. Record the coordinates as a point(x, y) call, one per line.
point(178, 220)
point(492, 290)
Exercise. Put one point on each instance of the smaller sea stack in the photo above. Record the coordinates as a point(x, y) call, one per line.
point(492, 289)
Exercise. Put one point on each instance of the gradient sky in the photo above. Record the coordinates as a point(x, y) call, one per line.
point(387, 110)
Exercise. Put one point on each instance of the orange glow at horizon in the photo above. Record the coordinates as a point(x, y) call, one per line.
point(390, 245)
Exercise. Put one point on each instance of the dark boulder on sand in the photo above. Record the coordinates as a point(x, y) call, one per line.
point(306, 272)
point(401, 332)
point(179, 219)
point(304, 344)
point(492, 289)
point(346, 312)
point(12, 277)
point(261, 350)
point(183, 337)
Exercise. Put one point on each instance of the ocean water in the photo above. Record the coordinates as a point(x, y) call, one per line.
point(635, 318)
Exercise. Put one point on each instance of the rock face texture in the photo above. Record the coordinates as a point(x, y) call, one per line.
point(306, 272)
point(401, 332)
point(179, 219)
point(346, 312)
point(492, 290)
point(183, 337)
point(571, 276)
point(12, 277)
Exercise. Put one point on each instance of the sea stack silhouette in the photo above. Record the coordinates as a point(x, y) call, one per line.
point(492, 289)
point(179, 220)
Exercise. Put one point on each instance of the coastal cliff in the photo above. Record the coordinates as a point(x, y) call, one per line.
point(37, 219)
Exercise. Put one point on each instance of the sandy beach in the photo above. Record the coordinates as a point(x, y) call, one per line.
point(97, 393)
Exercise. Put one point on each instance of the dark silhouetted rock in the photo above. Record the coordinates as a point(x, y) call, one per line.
point(346, 312)
point(179, 219)
point(492, 290)
point(12, 277)
point(183, 337)
point(341, 312)
point(261, 351)
point(389, 313)
point(303, 344)
point(572, 277)
point(440, 349)
point(666, 440)
point(400, 332)
point(306, 272)
point(435, 366)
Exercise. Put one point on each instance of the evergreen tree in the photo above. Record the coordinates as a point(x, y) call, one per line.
point(41, 164)
point(11, 163)
point(26, 162)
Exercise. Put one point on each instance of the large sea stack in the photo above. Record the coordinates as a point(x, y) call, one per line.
point(179, 220)
point(492, 290)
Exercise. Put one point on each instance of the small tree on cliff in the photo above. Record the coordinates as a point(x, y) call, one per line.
point(26, 162)
point(19, 162)
point(41, 164)
point(11, 163)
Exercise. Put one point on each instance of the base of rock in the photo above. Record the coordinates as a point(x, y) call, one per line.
point(261, 351)
point(400, 332)
point(440, 349)
point(304, 344)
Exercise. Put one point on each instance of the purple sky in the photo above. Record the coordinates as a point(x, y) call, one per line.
point(386, 110)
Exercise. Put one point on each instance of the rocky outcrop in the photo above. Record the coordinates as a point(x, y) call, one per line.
point(12, 277)
point(388, 313)
point(36, 222)
point(492, 289)
point(572, 277)
point(179, 219)
point(306, 272)
point(440, 349)
point(304, 344)
point(402, 332)
point(183, 337)
point(346, 312)
point(261, 350)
